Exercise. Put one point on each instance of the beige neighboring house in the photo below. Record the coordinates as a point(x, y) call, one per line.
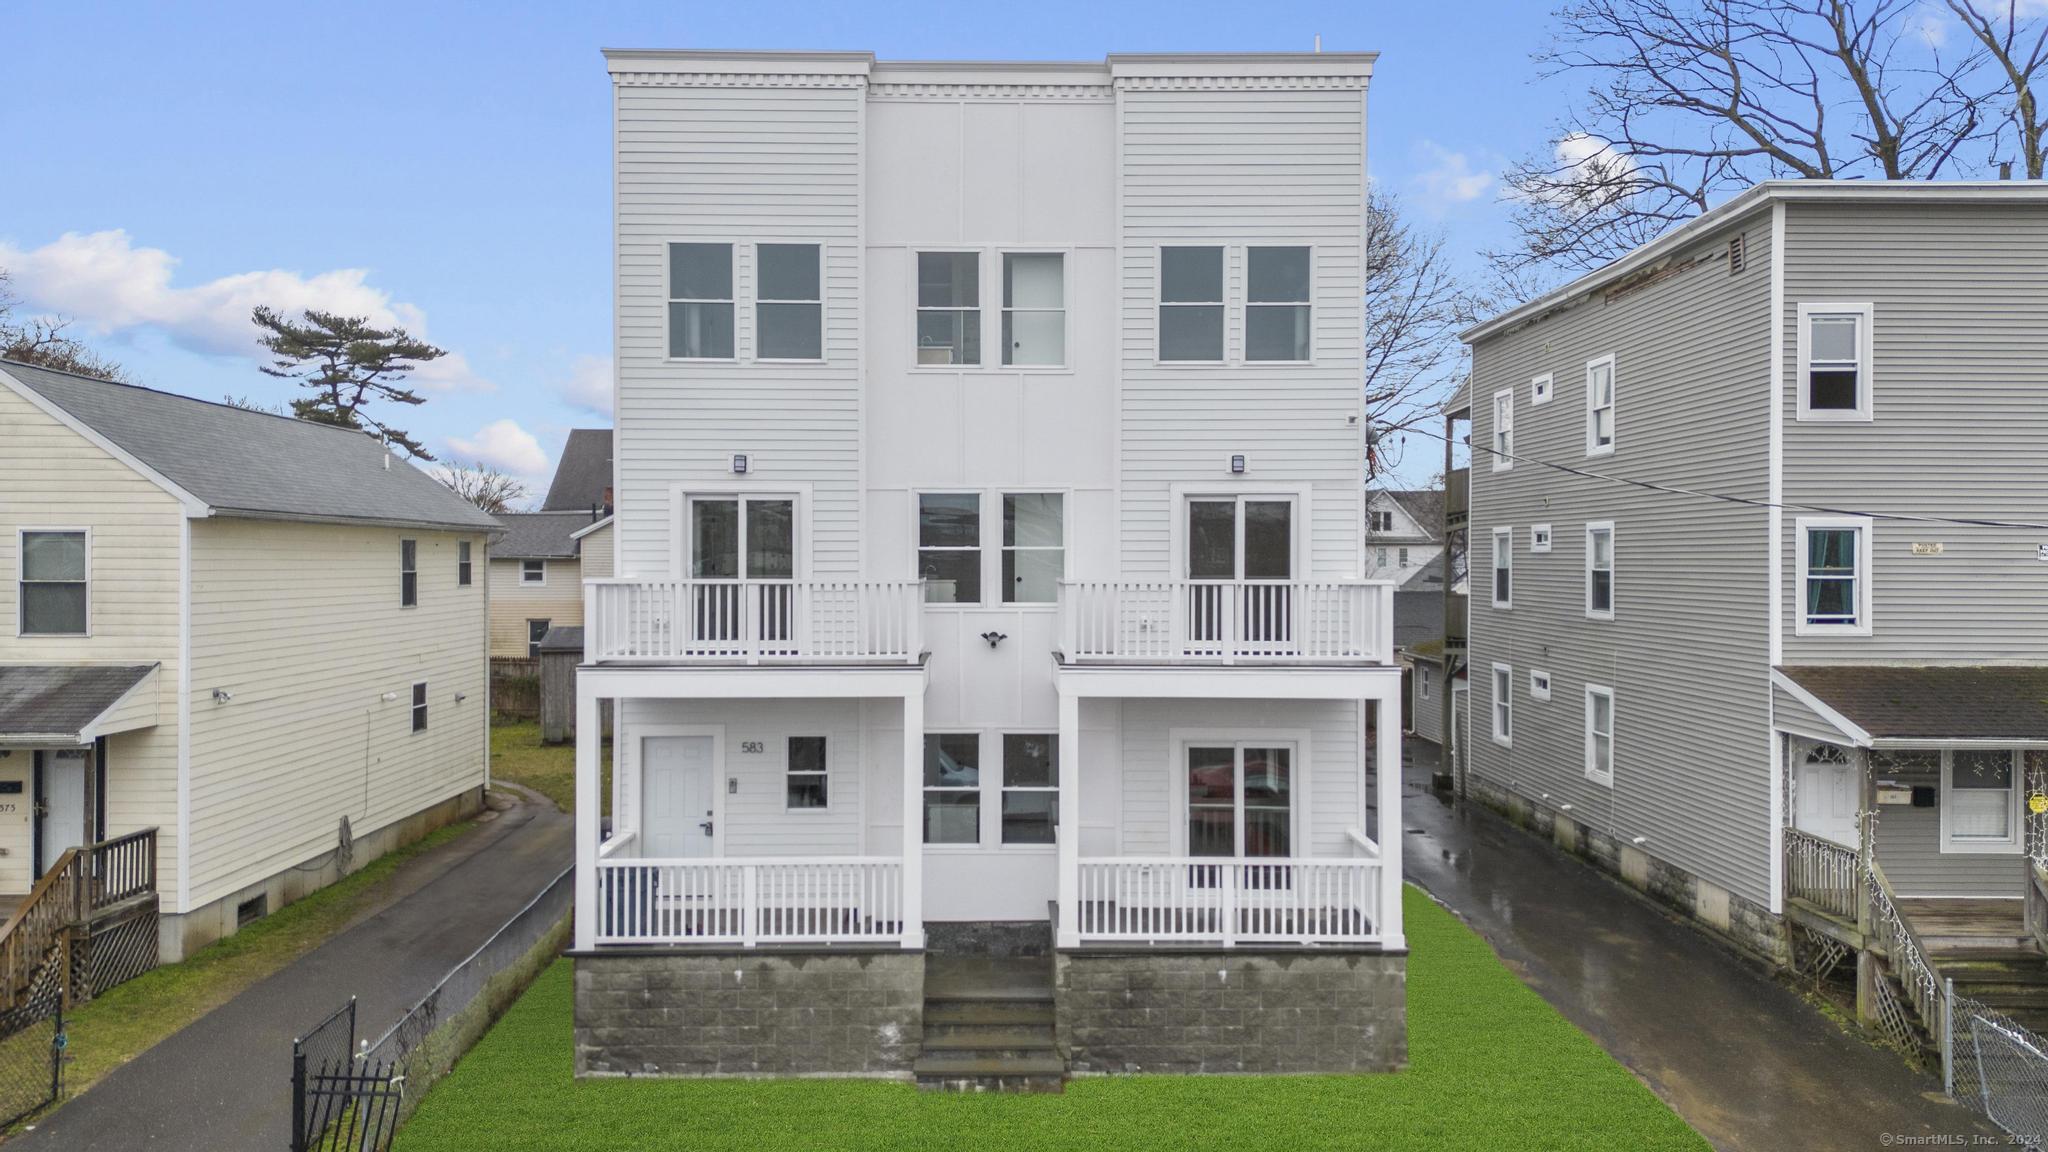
point(263, 637)
point(537, 573)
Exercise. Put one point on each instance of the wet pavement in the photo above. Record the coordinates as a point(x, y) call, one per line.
point(1743, 1058)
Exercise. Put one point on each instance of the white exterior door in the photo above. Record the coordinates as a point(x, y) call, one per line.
point(1455, 739)
point(63, 814)
point(677, 777)
point(1828, 788)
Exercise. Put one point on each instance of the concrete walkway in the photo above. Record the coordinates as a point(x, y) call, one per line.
point(224, 1082)
point(1743, 1058)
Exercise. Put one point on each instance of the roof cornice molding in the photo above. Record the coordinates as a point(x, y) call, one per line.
point(737, 80)
point(1353, 83)
point(1069, 93)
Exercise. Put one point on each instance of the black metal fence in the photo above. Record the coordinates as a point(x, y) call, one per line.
point(32, 1043)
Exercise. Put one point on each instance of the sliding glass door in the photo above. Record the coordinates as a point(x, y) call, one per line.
point(1240, 799)
point(743, 562)
point(1240, 559)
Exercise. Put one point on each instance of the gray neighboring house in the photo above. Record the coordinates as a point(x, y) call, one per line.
point(583, 477)
point(1717, 697)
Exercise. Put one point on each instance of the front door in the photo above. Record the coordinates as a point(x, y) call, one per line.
point(1240, 558)
point(677, 778)
point(1828, 791)
point(63, 809)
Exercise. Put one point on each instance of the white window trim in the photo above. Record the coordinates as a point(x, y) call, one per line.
point(1541, 389)
point(418, 717)
point(1296, 740)
point(403, 572)
point(465, 564)
point(1244, 339)
point(1422, 677)
point(540, 583)
point(1503, 704)
point(1539, 685)
point(981, 309)
point(1539, 538)
point(980, 792)
point(1003, 788)
point(830, 791)
point(1864, 575)
point(981, 546)
point(1613, 562)
point(1160, 304)
point(1614, 403)
point(680, 557)
point(1865, 410)
point(1066, 547)
point(1494, 567)
point(532, 641)
point(2012, 845)
point(1178, 496)
point(1606, 779)
point(21, 574)
point(1503, 432)
point(668, 271)
point(754, 304)
point(1066, 310)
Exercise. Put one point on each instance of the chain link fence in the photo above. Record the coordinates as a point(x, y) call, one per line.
point(32, 1043)
point(1995, 1065)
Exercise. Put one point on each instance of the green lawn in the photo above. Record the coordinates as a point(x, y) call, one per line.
point(518, 756)
point(1492, 1066)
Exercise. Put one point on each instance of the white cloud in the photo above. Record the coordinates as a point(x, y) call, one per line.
point(589, 385)
point(1929, 26)
point(108, 285)
point(1451, 177)
point(504, 445)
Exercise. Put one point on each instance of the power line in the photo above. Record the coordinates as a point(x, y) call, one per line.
point(1748, 501)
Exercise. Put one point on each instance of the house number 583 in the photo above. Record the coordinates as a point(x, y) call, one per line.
point(752, 747)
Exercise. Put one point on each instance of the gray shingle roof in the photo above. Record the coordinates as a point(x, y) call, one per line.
point(38, 700)
point(1960, 703)
point(584, 477)
point(540, 535)
point(254, 463)
point(1418, 616)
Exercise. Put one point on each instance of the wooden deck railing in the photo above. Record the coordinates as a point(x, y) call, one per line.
point(2036, 907)
point(1827, 875)
point(82, 881)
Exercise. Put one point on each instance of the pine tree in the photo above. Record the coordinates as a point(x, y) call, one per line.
point(346, 363)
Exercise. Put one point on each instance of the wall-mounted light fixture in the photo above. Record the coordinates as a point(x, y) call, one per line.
point(739, 464)
point(222, 695)
point(994, 638)
point(1237, 464)
point(388, 697)
point(461, 696)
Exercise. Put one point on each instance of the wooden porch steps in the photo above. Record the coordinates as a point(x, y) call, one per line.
point(988, 1026)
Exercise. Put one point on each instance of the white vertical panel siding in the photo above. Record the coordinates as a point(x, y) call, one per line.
point(1687, 652)
point(1235, 168)
point(513, 603)
point(301, 624)
point(1961, 380)
point(757, 819)
point(50, 476)
point(738, 164)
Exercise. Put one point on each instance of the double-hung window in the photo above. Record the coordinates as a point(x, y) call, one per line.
point(54, 590)
point(1600, 735)
point(536, 631)
point(419, 707)
point(1031, 788)
point(533, 571)
point(949, 546)
point(789, 303)
point(1980, 808)
point(1834, 576)
point(1503, 567)
point(948, 308)
point(408, 573)
point(1600, 570)
point(463, 570)
point(1503, 430)
point(700, 302)
point(1034, 547)
point(1382, 520)
point(1503, 704)
point(1277, 321)
point(806, 775)
point(1191, 304)
point(1834, 361)
point(1034, 309)
point(952, 788)
point(1600, 406)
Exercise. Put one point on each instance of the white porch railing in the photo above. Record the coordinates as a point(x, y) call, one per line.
point(753, 621)
point(838, 900)
point(1165, 899)
point(1225, 622)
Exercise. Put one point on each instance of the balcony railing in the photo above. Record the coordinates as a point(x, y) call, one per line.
point(754, 621)
point(842, 900)
point(1226, 622)
point(1229, 900)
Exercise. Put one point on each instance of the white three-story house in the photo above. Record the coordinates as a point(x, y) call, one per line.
point(989, 537)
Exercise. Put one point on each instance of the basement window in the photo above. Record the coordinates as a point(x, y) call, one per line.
point(251, 910)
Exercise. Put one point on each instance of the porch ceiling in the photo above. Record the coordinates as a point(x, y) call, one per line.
point(74, 703)
point(1894, 704)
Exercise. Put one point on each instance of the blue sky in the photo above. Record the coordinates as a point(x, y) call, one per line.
point(448, 165)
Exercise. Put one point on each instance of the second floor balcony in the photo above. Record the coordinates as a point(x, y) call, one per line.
point(1226, 621)
point(753, 621)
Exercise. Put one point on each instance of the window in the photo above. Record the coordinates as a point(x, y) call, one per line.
point(536, 631)
point(948, 308)
point(419, 707)
point(1404, 557)
point(1503, 704)
point(1980, 803)
point(789, 304)
point(1034, 547)
point(1600, 570)
point(1031, 789)
point(1539, 538)
point(1422, 682)
point(700, 301)
point(1191, 304)
point(1539, 390)
point(952, 788)
point(732, 538)
point(1277, 324)
point(54, 588)
point(462, 565)
point(1539, 685)
point(1034, 308)
point(949, 547)
point(1240, 538)
point(533, 571)
point(1240, 802)
point(1600, 735)
point(1834, 566)
point(1379, 557)
point(1834, 362)
point(408, 573)
point(1503, 567)
point(806, 775)
point(1382, 521)
point(1503, 430)
point(1600, 406)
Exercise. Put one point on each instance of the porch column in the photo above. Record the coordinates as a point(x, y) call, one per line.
point(1388, 834)
point(1069, 933)
point(913, 818)
point(589, 810)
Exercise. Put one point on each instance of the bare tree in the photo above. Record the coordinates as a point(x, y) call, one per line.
point(482, 485)
point(2014, 42)
point(44, 341)
point(1414, 308)
point(1689, 100)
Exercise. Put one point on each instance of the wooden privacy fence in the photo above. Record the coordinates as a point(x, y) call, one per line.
point(515, 688)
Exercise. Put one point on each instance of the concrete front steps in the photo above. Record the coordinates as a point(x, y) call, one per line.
point(988, 1026)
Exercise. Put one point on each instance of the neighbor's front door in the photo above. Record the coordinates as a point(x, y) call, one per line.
point(63, 807)
point(677, 777)
point(1829, 791)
